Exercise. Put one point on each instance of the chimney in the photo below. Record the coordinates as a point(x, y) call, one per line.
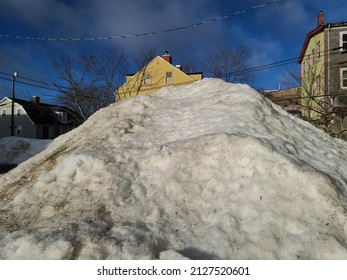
point(167, 57)
point(320, 18)
point(35, 99)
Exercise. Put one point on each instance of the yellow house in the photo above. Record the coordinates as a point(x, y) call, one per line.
point(158, 73)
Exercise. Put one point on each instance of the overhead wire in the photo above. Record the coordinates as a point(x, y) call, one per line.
point(279, 63)
point(48, 86)
point(256, 7)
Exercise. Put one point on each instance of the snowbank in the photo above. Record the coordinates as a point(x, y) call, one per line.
point(205, 171)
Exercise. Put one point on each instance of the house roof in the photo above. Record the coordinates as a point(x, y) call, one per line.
point(173, 66)
point(311, 34)
point(315, 32)
point(41, 113)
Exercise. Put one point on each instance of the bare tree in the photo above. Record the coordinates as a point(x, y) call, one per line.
point(316, 104)
point(87, 83)
point(145, 56)
point(229, 64)
point(318, 94)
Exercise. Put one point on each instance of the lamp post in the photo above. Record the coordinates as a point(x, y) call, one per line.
point(15, 75)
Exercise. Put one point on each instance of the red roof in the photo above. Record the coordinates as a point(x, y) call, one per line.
point(313, 33)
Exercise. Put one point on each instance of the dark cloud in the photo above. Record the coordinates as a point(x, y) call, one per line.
point(273, 33)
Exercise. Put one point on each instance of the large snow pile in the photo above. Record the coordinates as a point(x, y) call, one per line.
point(209, 170)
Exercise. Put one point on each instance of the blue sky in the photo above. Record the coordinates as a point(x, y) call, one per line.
point(273, 33)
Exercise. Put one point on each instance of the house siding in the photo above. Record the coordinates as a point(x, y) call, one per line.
point(338, 60)
point(28, 128)
point(155, 72)
point(313, 76)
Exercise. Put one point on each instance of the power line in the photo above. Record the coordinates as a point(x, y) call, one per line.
point(44, 85)
point(17, 60)
point(282, 63)
point(260, 6)
point(29, 84)
point(48, 86)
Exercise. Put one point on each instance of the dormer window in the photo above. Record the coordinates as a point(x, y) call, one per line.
point(343, 41)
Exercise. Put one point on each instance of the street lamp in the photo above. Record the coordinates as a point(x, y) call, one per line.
point(15, 75)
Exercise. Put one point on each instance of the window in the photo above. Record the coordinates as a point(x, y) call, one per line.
point(168, 77)
point(62, 116)
point(344, 77)
point(19, 130)
point(19, 112)
point(318, 85)
point(147, 79)
point(312, 57)
point(343, 41)
point(4, 113)
point(303, 69)
point(318, 50)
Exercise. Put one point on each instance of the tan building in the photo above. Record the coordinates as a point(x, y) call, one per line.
point(288, 99)
point(158, 73)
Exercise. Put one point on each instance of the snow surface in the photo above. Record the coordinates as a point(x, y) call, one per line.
point(209, 170)
point(15, 150)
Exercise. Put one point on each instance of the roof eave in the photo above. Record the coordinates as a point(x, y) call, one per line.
point(311, 34)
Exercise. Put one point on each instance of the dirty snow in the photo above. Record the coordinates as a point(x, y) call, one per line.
point(209, 170)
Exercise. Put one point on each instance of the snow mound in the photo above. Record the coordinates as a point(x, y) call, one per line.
point(210, 170)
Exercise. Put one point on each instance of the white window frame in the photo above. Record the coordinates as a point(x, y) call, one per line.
point(341, 41)
point(19, 130)
point(341, 77)
point(4, 113)
point(19, 112)
point(147, 78)
point(62, 116)
point(169, 77)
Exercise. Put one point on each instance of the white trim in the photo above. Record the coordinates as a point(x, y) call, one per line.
point(147, 78)
point(338, 27)
point(2, 112)
point(20, 111)
point(341, 41)
point(19, 129)
point(169, 79)
point(6, 99)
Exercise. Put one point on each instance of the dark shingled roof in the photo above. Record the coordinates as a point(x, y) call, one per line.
point(42, 113)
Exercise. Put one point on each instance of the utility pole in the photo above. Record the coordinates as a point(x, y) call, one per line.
point(15, 75)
